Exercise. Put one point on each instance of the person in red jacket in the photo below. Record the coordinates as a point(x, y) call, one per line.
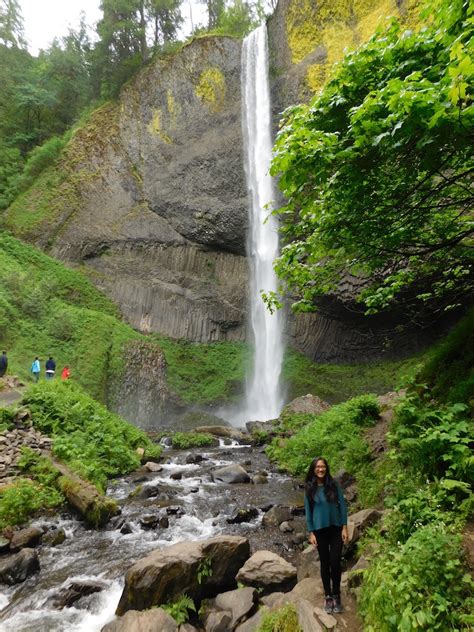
point(65, 373)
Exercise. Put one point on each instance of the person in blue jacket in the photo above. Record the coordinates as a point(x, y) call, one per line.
point(326, 518)
point(36, 368)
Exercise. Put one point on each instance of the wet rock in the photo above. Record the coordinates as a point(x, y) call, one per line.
point(126, 528)
point(266, 507)
point(54, 537)
point(68, 596)
point(195, 459)
point(176, 476)
point(231, 474)
point(175, 510)
point(240, 603)
point(218, 621)
point(194, 490)
point(145, 491)
point(149, 522)
point(4, 545)
point(268, 571)
point(14, 569)
point(164, 522)
point(276, 515)
point(243, 515)
point(155, 620)
point(151, 466)
point(165, 575)
point(29, 537)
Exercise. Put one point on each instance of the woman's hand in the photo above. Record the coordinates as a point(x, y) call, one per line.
point(312, 539)
point(345, 534)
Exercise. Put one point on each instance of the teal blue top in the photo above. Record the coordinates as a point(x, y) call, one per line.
point(325, 514)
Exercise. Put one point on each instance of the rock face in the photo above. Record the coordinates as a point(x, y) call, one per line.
point(151, 194)
point(163, 576)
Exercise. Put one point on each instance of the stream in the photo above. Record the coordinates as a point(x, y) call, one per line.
point(196, 507)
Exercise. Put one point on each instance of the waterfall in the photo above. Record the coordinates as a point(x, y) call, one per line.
point(263, 399)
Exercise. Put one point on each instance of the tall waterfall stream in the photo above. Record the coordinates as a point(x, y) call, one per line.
point(263, 394)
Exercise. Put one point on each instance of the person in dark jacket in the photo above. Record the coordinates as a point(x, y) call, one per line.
point(3, 363)
point(326, 518)
point(50, 368)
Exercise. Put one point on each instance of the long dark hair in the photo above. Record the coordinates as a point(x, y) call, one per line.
point(311, 483)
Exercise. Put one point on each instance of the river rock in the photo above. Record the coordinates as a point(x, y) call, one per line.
point(276, 515)
point(165, 575)
point(286, 527)
point(14, 569)
point(155, 620)
point(4, 545)
point(68, 596)
point(218, 621)
point(231, 474)
point(194, 459)
point(151, 466)
point(28, 537)
point(243, 515)
point(54, 537)
point(240, 603)
point(260, 479)
point(268, 571)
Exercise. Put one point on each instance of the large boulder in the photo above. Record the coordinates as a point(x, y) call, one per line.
point(231, 474)
point(308, 404)
point(14, 569)
point(267, 571)
point(28, 537)
point(155, 620)
point(361, 521)
point(199, 569)
point(276, 515)
point(239, 602)
point(308, 563)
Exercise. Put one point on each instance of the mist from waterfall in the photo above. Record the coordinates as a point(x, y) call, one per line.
point(263, 398)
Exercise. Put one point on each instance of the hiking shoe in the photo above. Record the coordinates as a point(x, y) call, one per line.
point(337, 607)
point(328, 605)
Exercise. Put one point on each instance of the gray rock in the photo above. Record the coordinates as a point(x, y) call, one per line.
point(286, 527)
point(165, 575)
point(151, 466)
point(329, 622)
point(254, 622)
point(240, 603)
point(54, 537)
point(29, 537)
point(154, 620)
point(276, 516)
point(268, 571)
point(75, 591)
point(231, 474)
point(14, 569)
point(309, 404)
point(308, 563)
point(218, 621)
point(245, 514)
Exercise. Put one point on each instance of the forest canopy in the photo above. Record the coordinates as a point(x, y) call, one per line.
point(378, 169)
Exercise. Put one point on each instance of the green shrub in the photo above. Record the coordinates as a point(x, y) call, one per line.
point(185, 440)
point(420, 584)
point(20, 500)
point(283, 620)
point(335, 434)
point(41, 158)
point(96, 443)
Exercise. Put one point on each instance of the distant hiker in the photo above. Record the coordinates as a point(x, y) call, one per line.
point(3, 363)
point(50, 368)
point(65, 373)
point(36, 368)
point(326, 518)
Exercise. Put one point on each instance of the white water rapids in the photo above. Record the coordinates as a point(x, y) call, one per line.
point(263, 398)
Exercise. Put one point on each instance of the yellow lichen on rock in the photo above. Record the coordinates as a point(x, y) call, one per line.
point(173, 108)
point(307, 19)
point(211, 89)
point(337, 38)
point(370, 17)
point(155, 126)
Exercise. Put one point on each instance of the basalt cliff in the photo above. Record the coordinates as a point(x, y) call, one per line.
point(150, 197)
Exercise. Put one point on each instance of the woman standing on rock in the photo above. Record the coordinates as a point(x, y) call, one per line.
point(326, 517)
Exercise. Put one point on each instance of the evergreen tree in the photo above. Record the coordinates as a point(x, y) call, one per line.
point(11, 24)
point(166, 18)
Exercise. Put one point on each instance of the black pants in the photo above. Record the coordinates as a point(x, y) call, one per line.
point(330, 549)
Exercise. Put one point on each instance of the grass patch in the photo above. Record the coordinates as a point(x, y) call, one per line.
point(185, 440)
point(336, 383)
point(23, 498)
point(283, 620)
